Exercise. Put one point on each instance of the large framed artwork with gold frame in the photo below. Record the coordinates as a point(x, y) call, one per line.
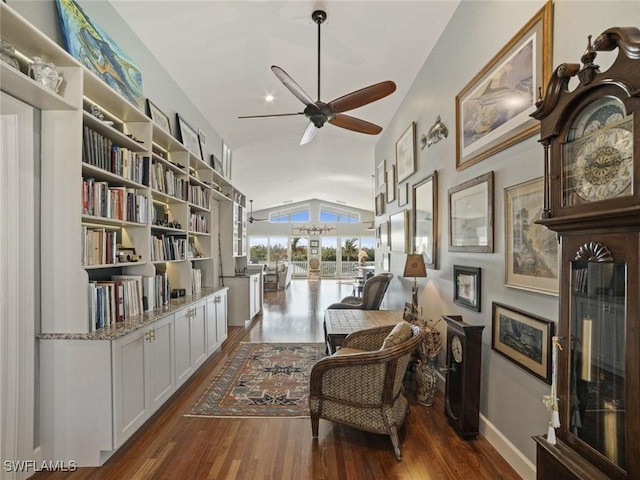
point(492, 110)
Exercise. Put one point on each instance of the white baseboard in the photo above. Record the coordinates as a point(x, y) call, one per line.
point(521, 464)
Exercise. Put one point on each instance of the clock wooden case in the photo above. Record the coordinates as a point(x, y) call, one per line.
point(591, 137)
point(462, 391)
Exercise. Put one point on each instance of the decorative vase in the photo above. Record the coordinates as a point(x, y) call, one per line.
point(427, 380)
point(45, 74)
point(8, 54)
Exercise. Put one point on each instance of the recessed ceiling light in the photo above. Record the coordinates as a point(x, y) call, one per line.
point(269, 98)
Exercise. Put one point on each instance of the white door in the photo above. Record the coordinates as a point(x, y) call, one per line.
point(19, 278)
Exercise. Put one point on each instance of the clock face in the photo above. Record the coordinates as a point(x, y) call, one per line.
point(598, 159)
point(456, 349)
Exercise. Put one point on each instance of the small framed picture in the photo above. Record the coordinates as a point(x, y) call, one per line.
point(403, 194)
point(399, 236)
point(216, 163)
point(522, 338)
point(406, 153)
point(189, 137)
point(158, 116)
point(384, 234)
point(467, 283)
point(380, 204)
point(314, 243)
point(391, 184)
point(380, 173)
point(314, 251)
point(471, 215)
point(226, 160)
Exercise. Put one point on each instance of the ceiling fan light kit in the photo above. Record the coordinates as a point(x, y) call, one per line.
point(319, 112)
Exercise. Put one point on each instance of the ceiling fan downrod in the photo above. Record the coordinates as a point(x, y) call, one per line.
point(319, 16)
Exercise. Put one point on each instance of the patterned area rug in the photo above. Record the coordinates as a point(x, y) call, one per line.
point(262, 380)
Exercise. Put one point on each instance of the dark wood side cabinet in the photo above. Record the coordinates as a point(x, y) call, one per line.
point(591, 139)
point(463, 365)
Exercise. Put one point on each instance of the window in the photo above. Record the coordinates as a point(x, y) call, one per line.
point(300, 214)
point(337, 215)
point(257, 249)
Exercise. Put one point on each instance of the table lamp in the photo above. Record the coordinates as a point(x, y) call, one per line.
point(415, 267)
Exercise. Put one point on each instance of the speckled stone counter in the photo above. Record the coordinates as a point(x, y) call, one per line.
point(139, 321)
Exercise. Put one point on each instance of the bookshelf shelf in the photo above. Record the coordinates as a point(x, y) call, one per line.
point(115, 135)
point(160, 197)
point(104, 175)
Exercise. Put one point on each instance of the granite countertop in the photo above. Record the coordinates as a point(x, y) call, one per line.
point(139, 321)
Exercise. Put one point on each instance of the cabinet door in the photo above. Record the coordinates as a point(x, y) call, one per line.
point(160, 357)
point(221, 317)
point(212, 330)
point(257, 295)
point(182, 343)
point(130, 384)
point(198, 334)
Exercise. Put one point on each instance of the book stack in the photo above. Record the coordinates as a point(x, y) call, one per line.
point(98, 246)
point(111, 201)
point(166, 248)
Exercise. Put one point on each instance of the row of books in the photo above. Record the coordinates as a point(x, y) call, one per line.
point(99, 151)
point(124, 297)
point(168, 247)
point(98, 246)
point(103, 200)
point(165, 180)
point(198, 223)
point(199, 196)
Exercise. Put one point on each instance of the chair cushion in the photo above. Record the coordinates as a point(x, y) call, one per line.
point(347, 351)
point(400, 333)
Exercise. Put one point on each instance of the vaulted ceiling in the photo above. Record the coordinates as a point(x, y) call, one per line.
point(220, 53)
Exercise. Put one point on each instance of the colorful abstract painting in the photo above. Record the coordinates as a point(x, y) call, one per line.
point(95, 49)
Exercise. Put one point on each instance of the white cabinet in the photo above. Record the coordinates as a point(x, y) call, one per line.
point(198, 334)
point(143, 377)
point(216, 320)
point(190, 340)
point(245, 298)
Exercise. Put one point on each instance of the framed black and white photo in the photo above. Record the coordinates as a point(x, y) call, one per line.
point(522, 338)
point(189, 137)
point(425, 219)
point(467, 287)
point(471, 215)
point(314, 243)
point(391, 184)
point(158, 117)
point(406, 154)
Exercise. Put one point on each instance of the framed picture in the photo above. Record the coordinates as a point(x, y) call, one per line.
point(380, 204)
point(399, 235)
point(471, 215)
point(492, 110)
point(384, 234)
point(226, 160)
point(381, 170)
point(403, 194)
point(158, 117)
point(386, 262)
point(391, 184)
point(216, 163)
point(523, 339)
point(467, 287)
point(314, 243)
point(531, 250)
point(314, 251)
point(189, 137)
point(425, 219)
point(406, 153)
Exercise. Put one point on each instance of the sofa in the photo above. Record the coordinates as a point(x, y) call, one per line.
point(279, 278)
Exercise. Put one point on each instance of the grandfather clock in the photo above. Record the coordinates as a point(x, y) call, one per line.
point(591, 138)
point(462, 390)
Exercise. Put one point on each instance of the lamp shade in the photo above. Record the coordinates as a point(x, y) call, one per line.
point(415, 267)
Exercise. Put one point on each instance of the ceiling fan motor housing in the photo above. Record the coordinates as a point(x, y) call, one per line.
point(319, 16)
point(319, 113)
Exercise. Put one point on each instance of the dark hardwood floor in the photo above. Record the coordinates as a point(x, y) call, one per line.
point(172, 446)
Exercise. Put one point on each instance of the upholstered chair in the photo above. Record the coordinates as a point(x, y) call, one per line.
point(314, 268)
point(372, 294)
point(361, 384)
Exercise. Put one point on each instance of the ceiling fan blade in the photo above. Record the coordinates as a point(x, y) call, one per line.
point(308, 134)
point(292, 86)
point(272, 115)
point(363, 96)
point(355, 124)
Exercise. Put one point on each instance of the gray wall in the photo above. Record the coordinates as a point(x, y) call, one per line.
point(157, 84)
point(511, 398)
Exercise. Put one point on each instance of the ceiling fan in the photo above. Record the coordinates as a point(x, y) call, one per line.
point(251, 218)
point(319, 112)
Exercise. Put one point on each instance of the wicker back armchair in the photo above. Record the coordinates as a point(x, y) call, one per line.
point(372, 294)
point(364, 390)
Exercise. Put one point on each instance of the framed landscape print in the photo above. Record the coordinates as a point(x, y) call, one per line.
point(492, 110)
point(531, 250)
point(399, 236)
point(425, 219)
point(406, 154)
point(391, 184)
point(189, 137)
point(523, 339)
point(471, 215)
point(381, 170)
point(467, 284)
